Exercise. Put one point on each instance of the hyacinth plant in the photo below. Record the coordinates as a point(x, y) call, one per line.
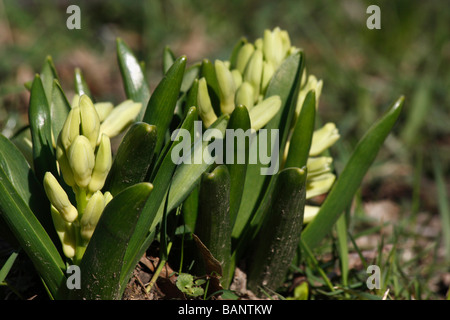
point(69, 200)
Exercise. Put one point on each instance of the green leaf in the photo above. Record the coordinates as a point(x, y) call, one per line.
point(213, 220)
point(48, 75)
point(235, 52)
point(168, 59)
point(285, 83)
point(7, 266)
point(103, 260)
point(133, 158)
point(41, 132)
point(134, 80)
point(149, 219)
point(239, 121)
point(349, 181)
point(277, 241)
point(81, 86)
point(188, 175)
point(160, 108)
point(208, 71)
point(15, 194)
point(59, 108)
point(190, 75)
point(300, 142)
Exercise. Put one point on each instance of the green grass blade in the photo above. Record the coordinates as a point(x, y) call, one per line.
point(349, 181)
point(7, 266)
point(103, 260)
point(162, 103)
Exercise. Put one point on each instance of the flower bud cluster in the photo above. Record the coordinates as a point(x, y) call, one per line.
point(245, 82)
point(84, 158)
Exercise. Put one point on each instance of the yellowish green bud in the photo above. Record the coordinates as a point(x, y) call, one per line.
point(273, 47)
point(92, 213)
point(259, 44)
point(243, 56)
point(58, 198)
point(71, 128)
point(310, 213)
point(65, 232)
point(64, 166)
point(90, 122)
point(237, 77)
point(319, 185)
point(311, 84)
point(120, 117)
point(253, 72)
point(103, 109)
point(103, 162)
point(75, 101)
point(244, 95)
point(227, 87)
point(323, 138)
point(108, 197)
point(285, 41)
point(268, 71)
point(81, 159)
point(318, 166)
point(264, 111)
point(205, 109)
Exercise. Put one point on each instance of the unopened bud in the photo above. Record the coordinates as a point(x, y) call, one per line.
point(103, 109)
point(264, 111)
point(268, 71)
point(58, 198)
point(273, 47)
point(65, 233)
point(103, 161)
point(319, 185)
point(243, 56)
point(71, 128)
point(81, 159)
point(310, 213)
point(92, 213)
point(244, 95)
point(90, 122)
point(323, 138)
point(108, 197)
point(237, 77)
point(253, 72)
point(205, 108)
point(120, 117)
point(75, 101)
point(64, 166)
point(227, 87)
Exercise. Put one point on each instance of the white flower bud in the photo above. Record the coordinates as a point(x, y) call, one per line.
point(81, 159)
point(58, 198)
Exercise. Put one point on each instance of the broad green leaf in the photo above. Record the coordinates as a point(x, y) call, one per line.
point(133, 158)
point(41, 131)
point(213, 220)
point(349, 180)
point(25, 183)
point(148, 220)
point(160, 108)
point(103, 260)
point(274, 248)
point(190, 75)
point(31, 236)
point(285, 83)
point(239, 123)
point(81, 86)
point(300, 142)
point(134, 80)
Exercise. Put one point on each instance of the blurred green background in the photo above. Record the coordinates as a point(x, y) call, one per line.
point(363, 70)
